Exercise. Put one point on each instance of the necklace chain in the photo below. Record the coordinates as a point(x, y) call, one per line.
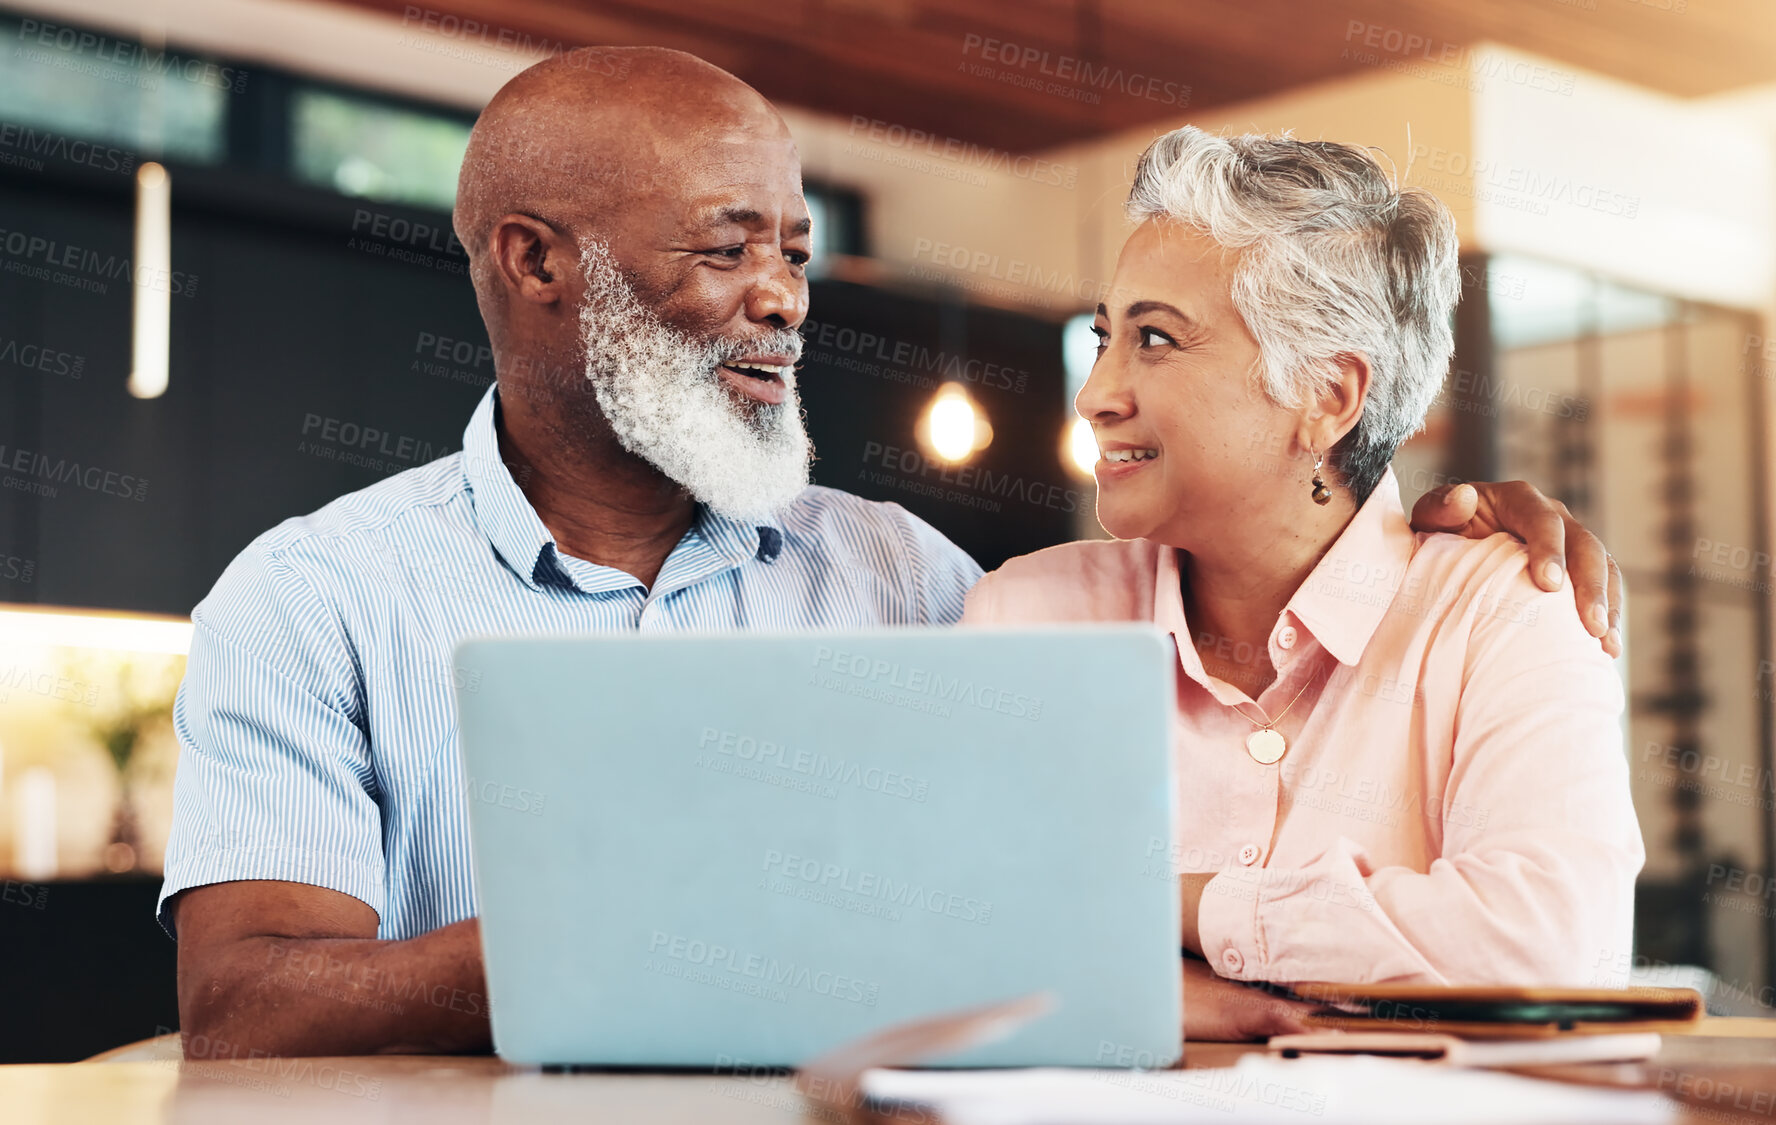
point(1280, 714)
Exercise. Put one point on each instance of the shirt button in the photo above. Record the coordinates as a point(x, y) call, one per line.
point(1286, 637)
point(1249, 854)
point(1232, 961)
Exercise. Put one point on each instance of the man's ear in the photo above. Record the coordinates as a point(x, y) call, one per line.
point(1335, 410)
point(532, 258)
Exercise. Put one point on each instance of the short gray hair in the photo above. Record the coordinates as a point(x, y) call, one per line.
point(1333, 260)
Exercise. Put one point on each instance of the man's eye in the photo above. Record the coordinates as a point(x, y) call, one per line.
point(1149, 336)
point(796, 257)
point(728, 252)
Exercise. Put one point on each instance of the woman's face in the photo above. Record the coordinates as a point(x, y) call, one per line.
point(1187, 438)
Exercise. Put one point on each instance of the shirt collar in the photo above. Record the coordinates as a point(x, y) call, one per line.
point(1168, 614)
point(1349, 592)
point(505, 515)
point(1343, 599)
point(739, 540)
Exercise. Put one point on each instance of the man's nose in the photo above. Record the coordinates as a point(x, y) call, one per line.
point(777, 297)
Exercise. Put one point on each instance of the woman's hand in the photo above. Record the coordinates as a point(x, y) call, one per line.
point(1479, 509)
point(1222, 1010)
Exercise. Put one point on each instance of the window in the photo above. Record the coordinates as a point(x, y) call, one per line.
point(837, 215)
point(360, 147)
point(99, 88)
point(61, 83)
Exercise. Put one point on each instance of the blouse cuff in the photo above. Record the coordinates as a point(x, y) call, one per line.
point(1227, 924)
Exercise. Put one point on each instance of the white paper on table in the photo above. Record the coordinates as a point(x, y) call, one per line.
point(1308, 1091)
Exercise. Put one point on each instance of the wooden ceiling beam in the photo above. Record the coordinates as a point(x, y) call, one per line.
point(918, 63)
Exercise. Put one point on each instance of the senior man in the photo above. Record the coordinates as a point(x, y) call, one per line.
point(633, 218)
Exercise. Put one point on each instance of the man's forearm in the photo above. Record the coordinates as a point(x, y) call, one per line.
point(341, 996)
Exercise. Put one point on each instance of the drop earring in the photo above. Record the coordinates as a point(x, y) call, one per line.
point(1321, 494)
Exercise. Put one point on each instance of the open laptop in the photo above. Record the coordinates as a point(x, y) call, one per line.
point(710, 850)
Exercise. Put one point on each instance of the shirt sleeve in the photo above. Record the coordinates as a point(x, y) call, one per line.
point(1533, 882)
point(942, 572)
point(275, 778)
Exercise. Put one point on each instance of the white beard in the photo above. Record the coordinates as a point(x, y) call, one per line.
point(664, 400)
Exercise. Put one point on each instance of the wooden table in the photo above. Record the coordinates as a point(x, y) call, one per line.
point(148, 1084)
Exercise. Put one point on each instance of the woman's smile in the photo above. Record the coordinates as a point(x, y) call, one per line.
point(1120, 460)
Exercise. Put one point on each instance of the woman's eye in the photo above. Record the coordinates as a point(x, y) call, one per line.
point(1103, 338)
point(1153, 337)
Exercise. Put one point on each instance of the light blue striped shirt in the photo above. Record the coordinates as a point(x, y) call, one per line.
point(316, 723)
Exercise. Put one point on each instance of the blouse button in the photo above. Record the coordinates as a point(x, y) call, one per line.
point(1286, 637)
point(1249, 854)
point(1232, 960)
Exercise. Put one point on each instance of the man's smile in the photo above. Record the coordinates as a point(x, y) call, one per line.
point(759, 378)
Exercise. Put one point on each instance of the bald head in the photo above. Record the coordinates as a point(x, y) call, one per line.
point(577, 138)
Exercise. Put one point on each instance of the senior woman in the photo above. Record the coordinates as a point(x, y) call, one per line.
point(1399, 759)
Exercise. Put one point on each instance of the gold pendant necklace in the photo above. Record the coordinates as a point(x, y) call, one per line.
point(1266, 746)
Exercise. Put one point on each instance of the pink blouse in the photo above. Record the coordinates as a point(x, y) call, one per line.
point(1453, 805)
